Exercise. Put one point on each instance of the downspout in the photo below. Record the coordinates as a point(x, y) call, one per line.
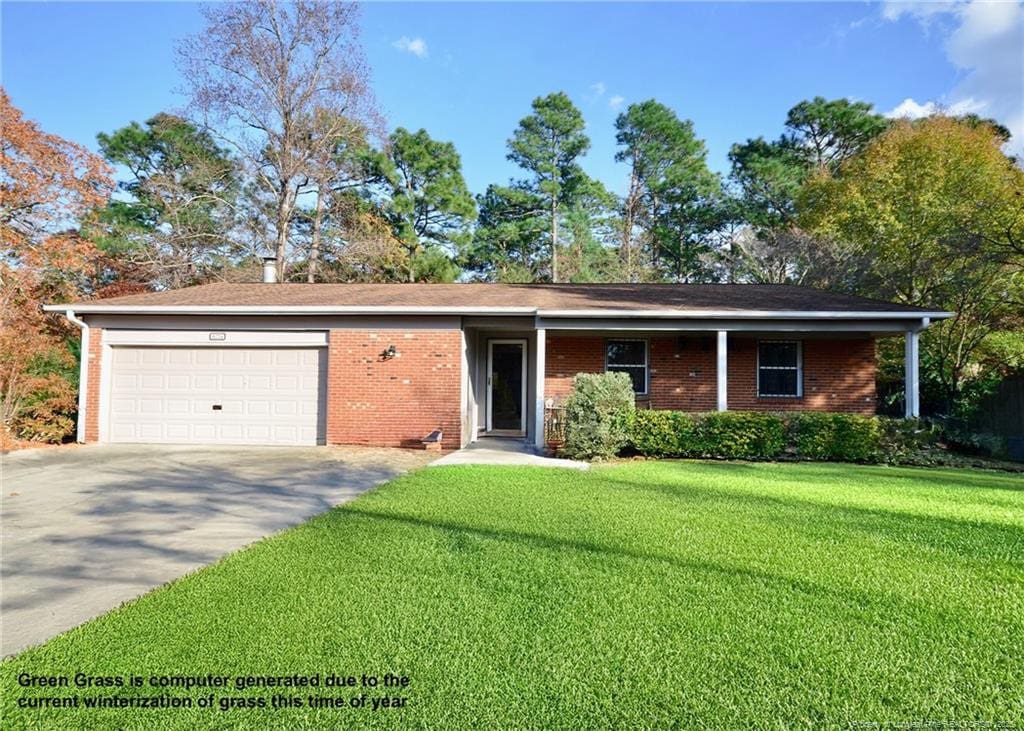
point(83, 374)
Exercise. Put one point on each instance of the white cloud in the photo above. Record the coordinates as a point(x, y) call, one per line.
point(416, 46)
point(922, 11)
point(983, 39)
point(912, 109)
point(615, 102)
point(598, 88)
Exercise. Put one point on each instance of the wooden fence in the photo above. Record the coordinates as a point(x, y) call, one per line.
point(1002, 412)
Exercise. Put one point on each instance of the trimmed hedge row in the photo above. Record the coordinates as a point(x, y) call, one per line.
point(755, 435)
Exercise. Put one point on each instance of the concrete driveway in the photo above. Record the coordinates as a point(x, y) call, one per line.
point(87, 528)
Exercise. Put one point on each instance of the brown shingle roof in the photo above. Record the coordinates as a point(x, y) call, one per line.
point(694, 298)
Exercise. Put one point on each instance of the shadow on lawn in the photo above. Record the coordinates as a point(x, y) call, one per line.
point(977, 539)
point(845, 597)
point(816, 472)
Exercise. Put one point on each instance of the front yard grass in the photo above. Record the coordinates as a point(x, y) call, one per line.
point(649, 594)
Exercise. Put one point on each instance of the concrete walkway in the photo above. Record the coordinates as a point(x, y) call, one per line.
point(504, 451)
point(87, 528)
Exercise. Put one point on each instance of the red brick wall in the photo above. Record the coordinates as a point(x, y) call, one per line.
point(839, 375)
point(683, 373)
point(92, 388)
point(566, 356)
point(398, 401)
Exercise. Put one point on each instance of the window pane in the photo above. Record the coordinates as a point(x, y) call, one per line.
point(777, 382)
point(627, 352)
point(778, 355)
point(637, 375)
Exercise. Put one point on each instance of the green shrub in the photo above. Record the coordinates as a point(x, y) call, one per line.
point(659, 432)
point(728, 435)
point(835, 437)
point(597, 414)
point(758, 435)
point(903, 436)
point(739, 435)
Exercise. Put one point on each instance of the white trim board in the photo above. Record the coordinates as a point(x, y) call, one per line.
point(473, 310)
point(217, 338)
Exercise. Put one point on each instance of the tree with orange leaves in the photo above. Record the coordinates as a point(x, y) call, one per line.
point(48, 186)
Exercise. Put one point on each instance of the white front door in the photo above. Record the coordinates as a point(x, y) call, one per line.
point(212, 395)
point(506, 387)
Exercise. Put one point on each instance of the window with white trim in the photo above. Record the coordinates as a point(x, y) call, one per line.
point(779, 368)
point(629, 357)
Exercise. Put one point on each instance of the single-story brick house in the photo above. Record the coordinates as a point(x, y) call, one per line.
point(387, 364)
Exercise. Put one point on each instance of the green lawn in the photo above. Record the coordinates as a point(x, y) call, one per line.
point(649, 594)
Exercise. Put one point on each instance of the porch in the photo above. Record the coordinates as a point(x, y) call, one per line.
point(517, 371)
point(507, 451)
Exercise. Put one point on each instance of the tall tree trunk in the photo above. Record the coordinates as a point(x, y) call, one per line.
point(628, 221)
point(554, 239)
point(314, 245)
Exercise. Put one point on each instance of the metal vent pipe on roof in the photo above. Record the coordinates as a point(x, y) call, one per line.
point(269, 269)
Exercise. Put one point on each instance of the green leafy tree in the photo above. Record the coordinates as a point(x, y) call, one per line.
point(549, 143)
point(509, 241)
point(429, 204)
point(669, 207)
point(181, 194)
point(767, 177)
point(591, 226)
point(825, 133)
point(934, 207)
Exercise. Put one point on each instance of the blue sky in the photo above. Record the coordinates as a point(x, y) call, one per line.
point(467, 71)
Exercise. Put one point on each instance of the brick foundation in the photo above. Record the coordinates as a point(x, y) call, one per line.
point(838, 375)
point(394, 402)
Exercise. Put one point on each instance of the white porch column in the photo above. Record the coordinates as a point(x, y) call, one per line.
point(538, 388)
point(911, 374)
point(722, 370)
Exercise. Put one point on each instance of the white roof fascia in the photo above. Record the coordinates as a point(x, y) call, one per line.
point(741, 314)
point(99, 307)
point(285, 310)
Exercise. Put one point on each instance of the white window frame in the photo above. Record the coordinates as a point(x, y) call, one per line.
point(646, 363)
point(799, 369)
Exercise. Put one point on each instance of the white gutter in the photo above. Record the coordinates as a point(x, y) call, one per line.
point(469, 311)
point(289, 310)
point(83, 374)
point(734, 314)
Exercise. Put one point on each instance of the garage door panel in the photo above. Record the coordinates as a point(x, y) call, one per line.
point(266, 396)
point(232, 383)
point(259, 408)
point(204, 381)
point(124, 381)
point(150, 430)
point(178, 381)
point(154, 382)
point(286, 383)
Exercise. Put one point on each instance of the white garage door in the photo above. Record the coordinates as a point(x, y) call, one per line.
point(218, 395)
